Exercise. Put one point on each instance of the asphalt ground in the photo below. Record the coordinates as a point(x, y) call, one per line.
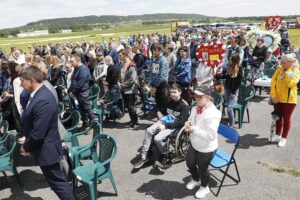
point(260, 165)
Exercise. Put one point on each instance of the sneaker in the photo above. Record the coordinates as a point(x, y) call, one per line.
point(275, 138)
point(282, 142)
point(161, 165)
point(202, 192)
point(128, 124)
point(134, 126)
point(140, 163)
point(192, 184)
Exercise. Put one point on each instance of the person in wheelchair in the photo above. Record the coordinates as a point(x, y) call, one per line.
point(178, 112)
point(202, 126)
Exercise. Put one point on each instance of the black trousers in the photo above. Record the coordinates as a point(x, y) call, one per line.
point(129, 100)
point(198, 163)
point(87, 114)
point(161, 98)
point(57, 181)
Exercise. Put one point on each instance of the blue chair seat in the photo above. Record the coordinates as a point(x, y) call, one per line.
point(220, 159)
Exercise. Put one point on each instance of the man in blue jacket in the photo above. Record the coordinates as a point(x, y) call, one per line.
point(159, 77)
point(41, 129)
point(79, 88)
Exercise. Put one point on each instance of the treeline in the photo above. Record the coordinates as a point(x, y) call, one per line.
point(93, 19)
point(76, 27)
point(56, 28)
point(91, 22)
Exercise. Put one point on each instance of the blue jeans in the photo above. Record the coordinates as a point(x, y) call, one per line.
point(231, 99)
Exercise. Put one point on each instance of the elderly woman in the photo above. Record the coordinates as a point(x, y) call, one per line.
point(284, 95)
point(202, 126)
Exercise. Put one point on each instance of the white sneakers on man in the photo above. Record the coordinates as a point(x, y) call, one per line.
point(282, 142)
point(192, 184)
point(202, 192)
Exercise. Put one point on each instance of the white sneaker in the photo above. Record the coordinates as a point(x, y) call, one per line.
point(202, 192)
point(192, 184)
point(275, 138)
point(282, 142)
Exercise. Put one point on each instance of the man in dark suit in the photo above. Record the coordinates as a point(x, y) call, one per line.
point(41, 131)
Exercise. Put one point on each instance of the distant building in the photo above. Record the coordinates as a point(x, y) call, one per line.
point(66, 31)
point(34, 33)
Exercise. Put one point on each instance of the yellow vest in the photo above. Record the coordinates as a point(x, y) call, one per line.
point(284, 87)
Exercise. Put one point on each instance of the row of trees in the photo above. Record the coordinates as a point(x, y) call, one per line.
point(56, 28)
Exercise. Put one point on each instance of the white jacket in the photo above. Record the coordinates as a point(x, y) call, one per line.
point(204, 137)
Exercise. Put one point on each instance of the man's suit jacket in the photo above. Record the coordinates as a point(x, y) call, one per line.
point(40, 124)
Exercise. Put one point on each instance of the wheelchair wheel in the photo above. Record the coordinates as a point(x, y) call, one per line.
point(182, 143)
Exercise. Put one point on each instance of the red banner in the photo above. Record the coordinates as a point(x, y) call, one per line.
point(273, 22)
point(211, 54)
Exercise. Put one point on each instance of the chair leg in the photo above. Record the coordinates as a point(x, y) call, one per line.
point(92, 190)
point(17, 175)
point(248, 115)
point(112, 180)
point(240, 118)
point(237, 172)
point(222, 181)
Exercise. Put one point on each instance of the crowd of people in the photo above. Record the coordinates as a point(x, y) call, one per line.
point(177, 80)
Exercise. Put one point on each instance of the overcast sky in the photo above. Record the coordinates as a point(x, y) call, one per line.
point(15, 13)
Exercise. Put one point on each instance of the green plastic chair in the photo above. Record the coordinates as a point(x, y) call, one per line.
point(104, 149)
point(97, 129)
point(94, 92)
point(6, 155)
point(70, 123)
point(107, 104)
point(246, 93)
point(218, 99)
point(97, 110)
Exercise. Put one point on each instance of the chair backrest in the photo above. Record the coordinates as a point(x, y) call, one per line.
point(269, 72)
point(245, 93)
point(9, 145)
point(3, 129)
point(97, 128)
point(218, 99)
point(94, 92)
point(104, 148)
point(228, 133)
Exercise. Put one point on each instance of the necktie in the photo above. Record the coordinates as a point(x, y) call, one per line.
point(29, 101)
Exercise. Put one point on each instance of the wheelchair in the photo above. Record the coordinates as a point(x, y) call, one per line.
point(177, 145)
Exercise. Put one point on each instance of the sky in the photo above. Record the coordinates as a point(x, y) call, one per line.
point(15, 13)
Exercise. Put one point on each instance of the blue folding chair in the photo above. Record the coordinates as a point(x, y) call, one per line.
point(223, 159)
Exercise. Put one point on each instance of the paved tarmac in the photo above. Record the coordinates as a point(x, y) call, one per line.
point(253, 157)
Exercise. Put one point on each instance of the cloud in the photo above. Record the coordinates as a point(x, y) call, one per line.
point(16, 13)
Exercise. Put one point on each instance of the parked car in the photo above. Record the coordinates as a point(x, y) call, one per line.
point(291, 25)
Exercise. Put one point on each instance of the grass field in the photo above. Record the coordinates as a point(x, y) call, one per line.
point(295, 36)
point(122, 30)
point(116, 32)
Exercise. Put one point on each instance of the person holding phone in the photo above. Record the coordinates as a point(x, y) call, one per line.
point(202, 126)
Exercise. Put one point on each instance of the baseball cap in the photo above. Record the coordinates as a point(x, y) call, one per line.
point(201, 91)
